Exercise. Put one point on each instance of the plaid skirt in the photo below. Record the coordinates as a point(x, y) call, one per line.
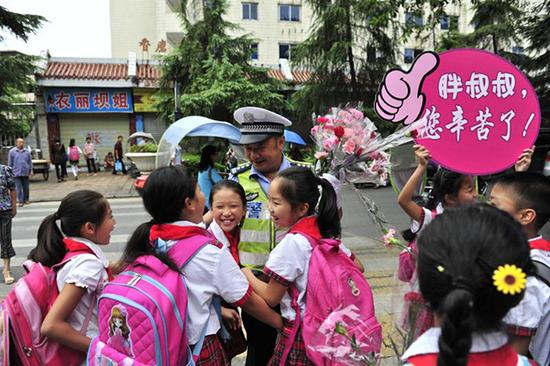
point(297, 355)
point(212, 353)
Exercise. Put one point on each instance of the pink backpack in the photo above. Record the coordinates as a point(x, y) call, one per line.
point(333, 283)
point(73, 153)
point(24, 310)
point(407, 259)
point(143, 313)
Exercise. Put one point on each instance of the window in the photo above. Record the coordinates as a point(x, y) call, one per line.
point(289, 13)
point(411, 54)
point(285, 50)
point(412, 20)
point(250, 11)
point(454, 23)
point(518, 50)
point(371, 54)
point(449, 22)
point(254, 55)
point(444, 22)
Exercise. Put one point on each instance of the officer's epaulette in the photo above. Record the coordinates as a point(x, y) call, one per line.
point(240, 169)
point(301, 164)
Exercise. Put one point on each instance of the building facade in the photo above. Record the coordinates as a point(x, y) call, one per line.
point(277, 26)
point(97, 98)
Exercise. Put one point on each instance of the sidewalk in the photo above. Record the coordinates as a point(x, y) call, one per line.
point(111, 186)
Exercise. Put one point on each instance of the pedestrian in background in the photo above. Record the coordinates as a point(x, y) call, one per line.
point(74, 153)
point(20, 161)
point(208, 175)
point(58, 158)
point(8, 210)
point(118, 157)
point(89, 154)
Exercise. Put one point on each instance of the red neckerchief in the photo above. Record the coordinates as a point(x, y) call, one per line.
point(174, 232)
point(308, 226)
point(75, 246)
point(540, 243)
point(233, 238)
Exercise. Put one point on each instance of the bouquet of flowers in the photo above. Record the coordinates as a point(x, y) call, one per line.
point(348, 144)
point(338, 339)
point(347, 140)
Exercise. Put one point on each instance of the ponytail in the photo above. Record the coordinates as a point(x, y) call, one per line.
point(328, 219)
point(50, 249)
point(301, 186)
point(456, 328)
point(445, 182)
point(138, 245)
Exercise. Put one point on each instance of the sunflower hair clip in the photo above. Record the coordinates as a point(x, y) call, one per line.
point(509, 279)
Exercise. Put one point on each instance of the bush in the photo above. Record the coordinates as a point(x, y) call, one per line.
point(144, 148)
point(191, 161)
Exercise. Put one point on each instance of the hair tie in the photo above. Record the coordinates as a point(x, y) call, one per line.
point(56, 216)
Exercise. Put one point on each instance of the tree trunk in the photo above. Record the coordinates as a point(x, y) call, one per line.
point(495, 44)
point(349, 38)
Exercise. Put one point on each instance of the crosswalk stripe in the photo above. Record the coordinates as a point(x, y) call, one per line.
point(43, 209)
point(41, 217)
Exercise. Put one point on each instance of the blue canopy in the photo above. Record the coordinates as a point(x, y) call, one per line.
point(192, 126)
point(294, 138)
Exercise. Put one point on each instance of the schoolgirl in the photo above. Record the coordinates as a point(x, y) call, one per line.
point(296, 203)
point(449, 189)
point(471, 279)
point(228, 206)
point(173, 199)
point(83, 223)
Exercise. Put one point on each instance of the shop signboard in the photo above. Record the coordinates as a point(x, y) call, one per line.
point(144, 100)
point(75, 100)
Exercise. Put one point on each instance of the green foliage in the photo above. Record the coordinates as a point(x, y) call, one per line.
point(145, 148)
point(16, 71)
point(191, 161)
point(212, 70)
point(537, 32)
point(21, 25)
point(349, 50)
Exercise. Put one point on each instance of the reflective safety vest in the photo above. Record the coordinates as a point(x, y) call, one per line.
point(258, 234)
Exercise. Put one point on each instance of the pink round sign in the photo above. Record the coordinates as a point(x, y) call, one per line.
point(480, 111)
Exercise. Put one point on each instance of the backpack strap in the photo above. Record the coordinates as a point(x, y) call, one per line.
point(189, 247)
point(293, 291)
point(543, 272)
point(67, 258)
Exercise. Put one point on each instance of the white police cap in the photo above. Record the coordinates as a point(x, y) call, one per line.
point(257, 124)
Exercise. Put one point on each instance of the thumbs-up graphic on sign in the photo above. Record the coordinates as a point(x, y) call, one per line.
point(399, 98)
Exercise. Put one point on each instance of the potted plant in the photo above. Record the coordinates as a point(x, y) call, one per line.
point(143, 155)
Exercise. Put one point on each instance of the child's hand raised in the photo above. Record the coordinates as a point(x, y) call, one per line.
point(422, 155)
point(524, 160)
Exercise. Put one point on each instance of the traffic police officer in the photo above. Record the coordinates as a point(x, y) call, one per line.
point(262, 134)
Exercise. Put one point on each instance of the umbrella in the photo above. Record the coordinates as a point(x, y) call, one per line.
point(294, 138)
point(192, 126)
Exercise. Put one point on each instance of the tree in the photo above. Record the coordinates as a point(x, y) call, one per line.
point(537, 33)
point(497, 25)
point(16, 71)
point(349, 49)
point(212, 71)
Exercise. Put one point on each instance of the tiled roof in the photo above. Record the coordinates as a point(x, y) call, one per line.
point(298, 77)
point(119, 71)
point(98, 71)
